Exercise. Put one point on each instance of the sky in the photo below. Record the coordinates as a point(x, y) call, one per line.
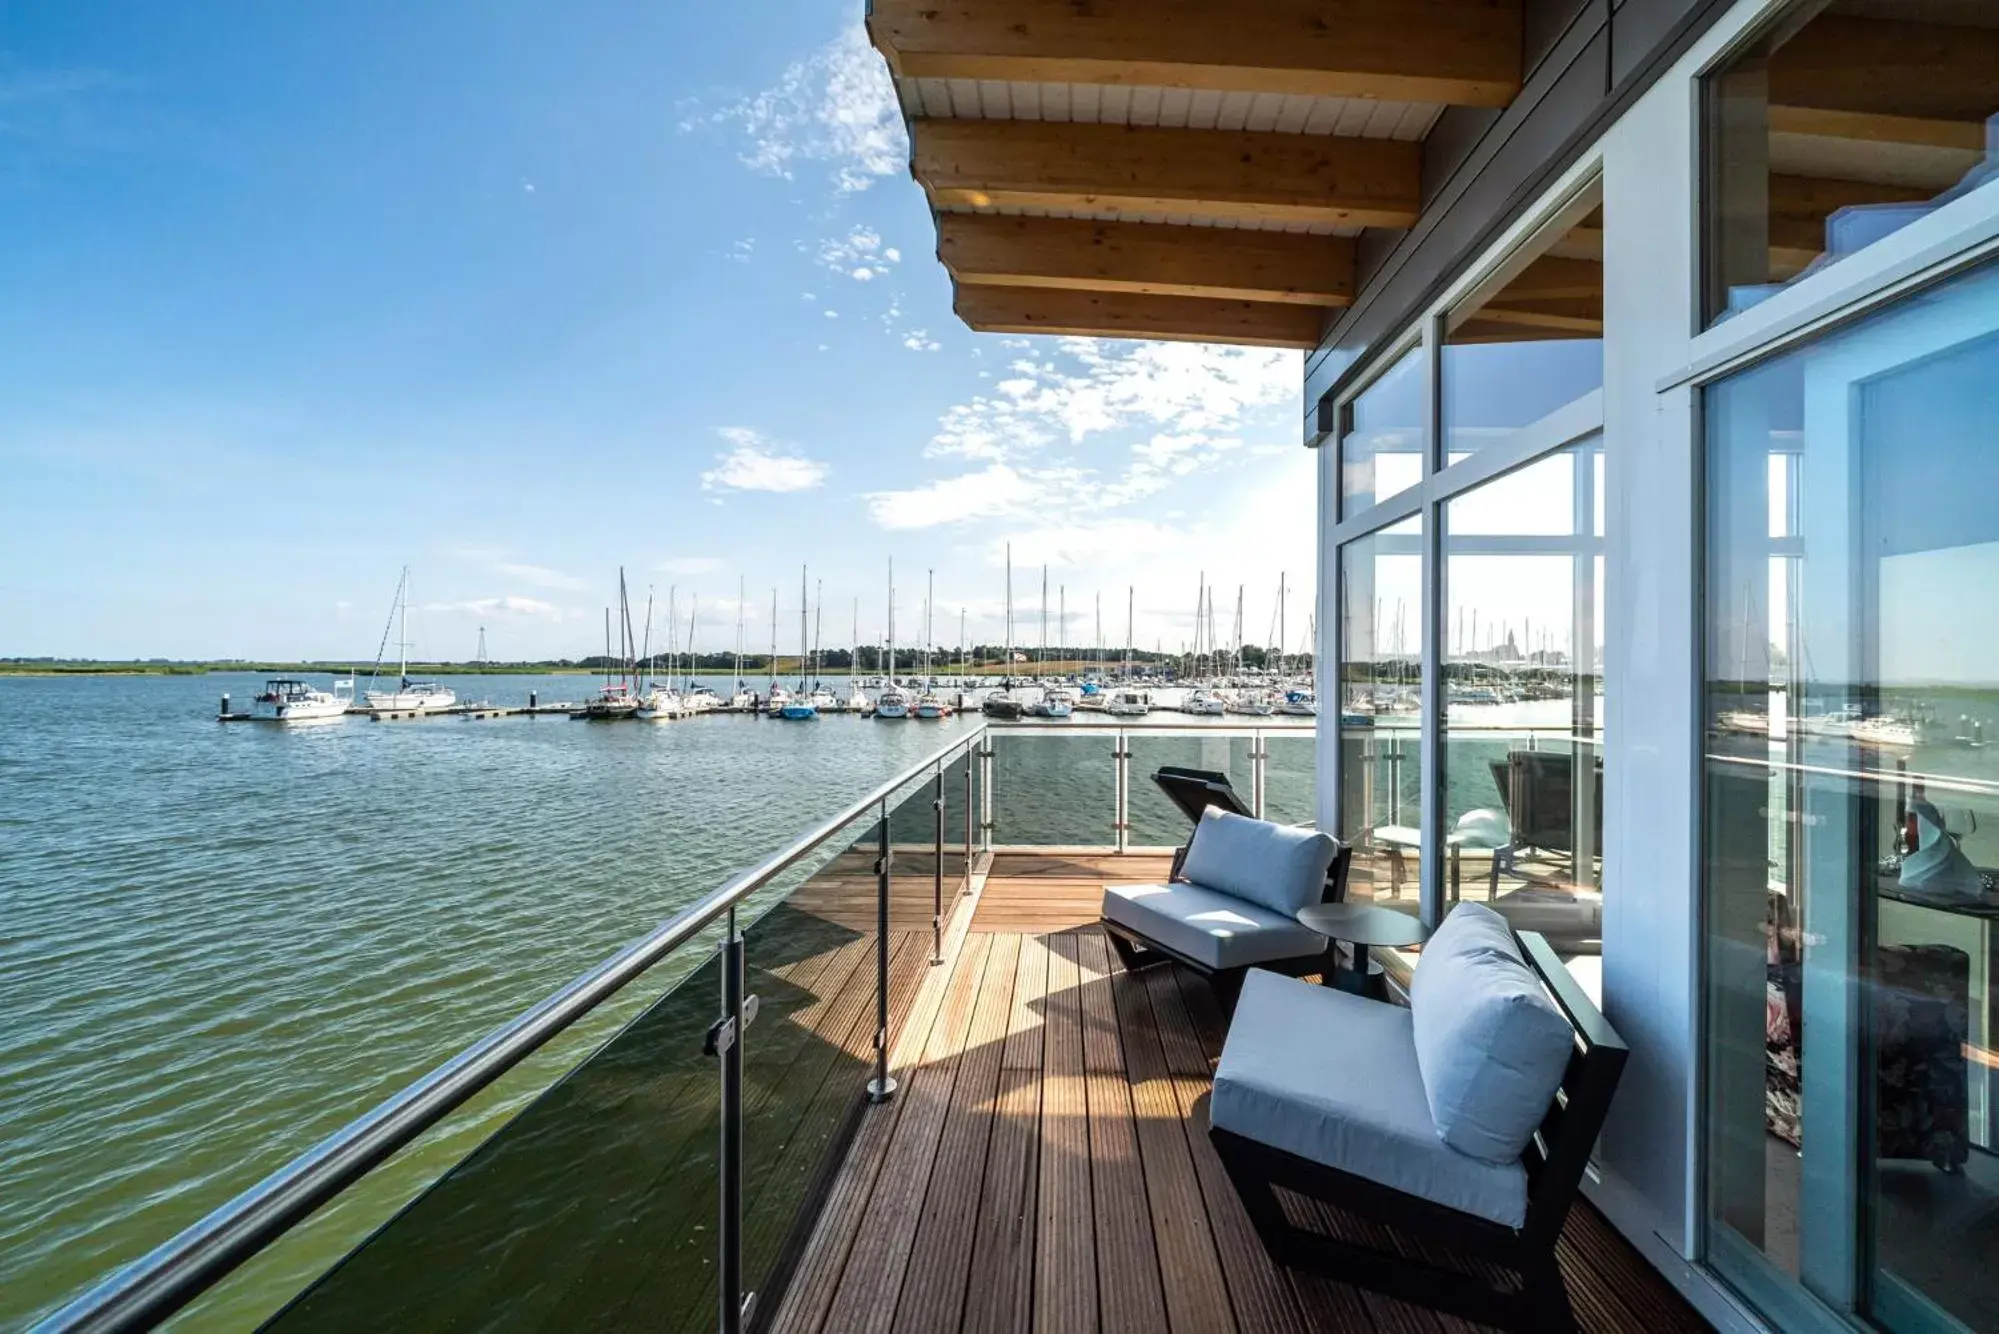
point(518, 295)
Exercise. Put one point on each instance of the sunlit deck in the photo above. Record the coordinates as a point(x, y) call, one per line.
point(1046, 1164)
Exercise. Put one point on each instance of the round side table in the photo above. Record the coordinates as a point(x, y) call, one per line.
point(1364, 926)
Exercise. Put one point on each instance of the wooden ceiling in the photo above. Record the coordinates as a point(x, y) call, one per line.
point(1187, 169)
point(1199, 169)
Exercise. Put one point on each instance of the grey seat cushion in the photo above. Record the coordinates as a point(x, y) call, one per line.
point(1333, 1078)
point(1491, 1046)
point(1207, 926)
point(1281, 867)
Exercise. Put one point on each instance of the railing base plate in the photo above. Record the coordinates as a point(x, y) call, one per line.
point(881, 1090)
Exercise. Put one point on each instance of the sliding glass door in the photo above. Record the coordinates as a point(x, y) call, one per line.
point(1851, 838)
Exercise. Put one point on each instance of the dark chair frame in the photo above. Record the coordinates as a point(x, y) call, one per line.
point(1197, 789)
point(1555, 1160)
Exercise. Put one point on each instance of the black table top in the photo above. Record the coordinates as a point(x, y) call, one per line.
point(1364, 924)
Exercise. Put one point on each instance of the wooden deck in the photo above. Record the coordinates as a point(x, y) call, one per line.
point(1046, 1165)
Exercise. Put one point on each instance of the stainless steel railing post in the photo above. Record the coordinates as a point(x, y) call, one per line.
point(986, 793)
point(881, 1088)
point(970, 818)
point(730, 1235)
point(1121, 762)
point(937, 875)
point(1257, 776)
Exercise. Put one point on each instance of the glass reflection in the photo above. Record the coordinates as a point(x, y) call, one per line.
point(1381, 449)
point(1522, 738)
point(1840, 126)
point(1852, 820)
point(1380, 675)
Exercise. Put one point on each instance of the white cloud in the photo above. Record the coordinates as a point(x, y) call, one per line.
point(1088, 543)
point(510, 605)
point(689, 565)
point(759, 464)
point(892, 255)
point(742, 250)
point(540, 576)
point(830, 314)
point(527, 186)
point(990, 493)
point(863, 274)
point(837, 107)
point(919, 340)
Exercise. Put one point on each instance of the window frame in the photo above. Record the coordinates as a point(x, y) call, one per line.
point(1441, 482)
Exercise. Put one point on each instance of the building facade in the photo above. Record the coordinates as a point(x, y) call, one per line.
point(1651, 362)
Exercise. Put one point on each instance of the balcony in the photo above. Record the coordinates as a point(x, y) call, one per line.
point(893, 1077)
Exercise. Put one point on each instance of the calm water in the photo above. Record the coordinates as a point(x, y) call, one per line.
point(220, 943)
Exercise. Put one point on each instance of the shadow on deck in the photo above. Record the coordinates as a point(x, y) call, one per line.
point(1047, 1165)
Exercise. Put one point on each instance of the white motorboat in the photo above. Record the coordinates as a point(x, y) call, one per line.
point(286, 699)
point(1205, 703)
point(409, 696)
point(1254, 703)
point(1299, 704)
point(931, 706)
point(1129, 704)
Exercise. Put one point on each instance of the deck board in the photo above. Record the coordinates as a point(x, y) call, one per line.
point(1132, 1300)
point(1056, 1107)
point(933, 1289)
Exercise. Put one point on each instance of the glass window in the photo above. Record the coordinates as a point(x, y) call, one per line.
point(1381, 674)
point(1381, 449)
point(1851, 826)
point(1521, 740)
point(1843, 123)
point(1530, 340)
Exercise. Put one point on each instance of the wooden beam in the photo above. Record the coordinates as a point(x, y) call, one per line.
point(1890, 69)
point(1967, 136)
point(1461, 52)
point(1224, 264)
point(1031, 310)
point(1555, 278)
point(1228, 175)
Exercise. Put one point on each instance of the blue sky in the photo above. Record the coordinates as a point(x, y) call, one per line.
point(518, 294)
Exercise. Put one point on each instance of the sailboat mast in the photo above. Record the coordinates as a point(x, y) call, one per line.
point(1007, 670)
point(801, 629)
point(739, 632)
point(1061, 618)
point(1130, 626)
point(1041, 662)
point(929, 630)
point(404, 633)
point(1280, 623)
point(891, 621)
point(773, 640)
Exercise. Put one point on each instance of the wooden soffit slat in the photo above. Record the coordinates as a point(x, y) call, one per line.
point(1235, 175)
point(1463, 52)
point(1046, 310)
point(1217, 263)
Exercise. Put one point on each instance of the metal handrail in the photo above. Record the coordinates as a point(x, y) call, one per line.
point(172, 1274)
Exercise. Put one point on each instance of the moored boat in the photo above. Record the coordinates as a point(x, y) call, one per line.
point(287, 699)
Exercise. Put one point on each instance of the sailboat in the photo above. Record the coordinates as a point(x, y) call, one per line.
point(822, 697)
point(1051, 703)
point(656, 702)
point(775, 695)
point(1002, 703)
point(409, 696)
point(799, 707)
point(893, 701)
point(930, 704)
point(615, 700)
point(856, 702)
point(740, 699)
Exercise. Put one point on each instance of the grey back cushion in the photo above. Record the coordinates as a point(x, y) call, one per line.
point(1491, 1045)
point(1279, 866)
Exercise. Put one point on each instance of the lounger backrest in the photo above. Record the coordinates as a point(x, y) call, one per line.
point(1559, 1151)
point(1336, 874)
